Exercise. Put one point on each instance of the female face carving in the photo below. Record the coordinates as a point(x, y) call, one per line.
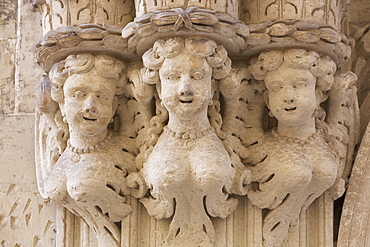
point(88, 102)
point(186, 83)
point(291, 94)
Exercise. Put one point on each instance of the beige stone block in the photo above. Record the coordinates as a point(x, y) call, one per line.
point(7, 48)
point(17, 149)
point(25, 220)
point(24, 217)
point(29, 72)
point(8, 19)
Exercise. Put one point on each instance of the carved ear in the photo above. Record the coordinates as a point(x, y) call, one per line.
point(266, 98)
point(114, 105)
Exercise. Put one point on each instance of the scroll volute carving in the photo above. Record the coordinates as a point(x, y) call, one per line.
point(87, 160)
point(301, 160)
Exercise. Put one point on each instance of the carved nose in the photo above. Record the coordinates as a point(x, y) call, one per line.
point(290, 96)
point(291, 100)
point(186, 90)
point(90, 106)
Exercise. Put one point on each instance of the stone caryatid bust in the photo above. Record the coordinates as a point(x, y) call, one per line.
point(194, 137)
point(89, 177)
point(187, 168)
point(296, 162)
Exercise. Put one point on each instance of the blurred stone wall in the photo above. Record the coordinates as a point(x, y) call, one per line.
point(25, 219)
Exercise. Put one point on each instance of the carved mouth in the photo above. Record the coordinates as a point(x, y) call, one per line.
point(90, 119)
point(186, 101)
point(290, 109)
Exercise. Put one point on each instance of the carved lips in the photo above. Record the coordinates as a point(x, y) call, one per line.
point(186, 100)
point(90, 118)
point(290, 109)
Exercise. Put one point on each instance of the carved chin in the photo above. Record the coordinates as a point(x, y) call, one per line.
point(90, 127)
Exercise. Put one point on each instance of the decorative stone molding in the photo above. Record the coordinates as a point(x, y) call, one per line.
point(225, 6)
point(330, 12)
point(221, 27)
point(56, 45)
point(61, 13)
point(285, 34)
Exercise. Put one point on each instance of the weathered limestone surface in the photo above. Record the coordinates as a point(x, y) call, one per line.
point(27, 72)
point(237, 147)
point(25, 218)
point(7, 75)
point(8, 20)
point(355, 216)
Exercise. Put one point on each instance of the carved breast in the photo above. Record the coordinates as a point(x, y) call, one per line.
point(78, 177)
point(325, 165)
point(174, 161)
point(187, 180)
point(291, 167)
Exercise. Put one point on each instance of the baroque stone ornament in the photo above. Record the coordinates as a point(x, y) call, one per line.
point(190, 127)
point(303, 166)
point(62, 13)
point(216, 25)
point(187, 169)
point(89, 175)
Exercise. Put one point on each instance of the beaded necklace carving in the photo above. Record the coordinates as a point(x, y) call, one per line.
point(77, 151)
point(294, 139)
point(185, 135)
point(189, 138)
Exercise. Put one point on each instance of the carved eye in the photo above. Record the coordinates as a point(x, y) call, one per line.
point(102, 96)
point(197, 76)
point(79, 95)
point(173, 77)
point(300, 84)
point(276, 88)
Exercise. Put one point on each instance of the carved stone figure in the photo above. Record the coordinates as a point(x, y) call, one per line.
point(188, 171)
point(187, 134)
point(89, 177)
point(295, 163)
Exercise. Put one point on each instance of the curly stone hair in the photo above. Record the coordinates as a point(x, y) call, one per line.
point(322, 67)
point(106, 66)
point(217, 58)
